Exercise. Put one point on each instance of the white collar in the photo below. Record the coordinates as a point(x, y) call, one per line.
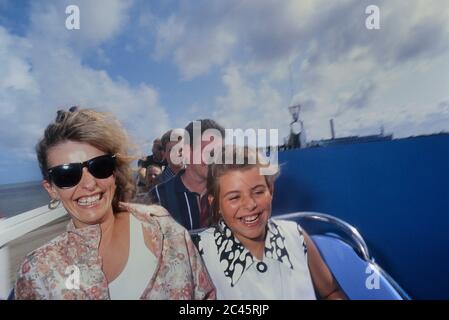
point(239, 259)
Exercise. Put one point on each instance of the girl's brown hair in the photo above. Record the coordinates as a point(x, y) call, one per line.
point(243, 158)
point(100, 130)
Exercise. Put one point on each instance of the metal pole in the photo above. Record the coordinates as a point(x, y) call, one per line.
point(332, 128)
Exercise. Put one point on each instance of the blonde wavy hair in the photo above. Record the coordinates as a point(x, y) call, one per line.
point(102, 131)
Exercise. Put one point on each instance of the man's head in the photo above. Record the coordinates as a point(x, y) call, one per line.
point(157, 149)
point(200, 138)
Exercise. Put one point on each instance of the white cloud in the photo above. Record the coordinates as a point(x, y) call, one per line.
point(103, 19)
point(204, 34)
point(13, 67)
point(250, 106)
point(100, 21)
point(40, 73)
point(201, 49)
point(362, 78)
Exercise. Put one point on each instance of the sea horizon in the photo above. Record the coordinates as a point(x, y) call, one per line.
point(16, 198)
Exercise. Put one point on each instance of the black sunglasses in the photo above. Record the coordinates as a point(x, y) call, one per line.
point(69, 175)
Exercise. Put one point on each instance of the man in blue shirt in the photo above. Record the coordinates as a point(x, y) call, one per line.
point(184, 195)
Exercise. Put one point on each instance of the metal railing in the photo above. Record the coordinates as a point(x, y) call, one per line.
point(324, 223)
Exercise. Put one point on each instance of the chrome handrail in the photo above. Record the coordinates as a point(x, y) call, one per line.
point(358, 243)
point(357, 240)
point(404, 295)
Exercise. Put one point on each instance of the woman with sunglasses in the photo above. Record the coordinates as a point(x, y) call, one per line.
point(249, 256)
point(111, 249)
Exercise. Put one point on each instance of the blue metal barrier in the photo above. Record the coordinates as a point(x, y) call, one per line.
point(395, 192)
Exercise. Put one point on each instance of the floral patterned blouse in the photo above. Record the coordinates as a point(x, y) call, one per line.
point(180, 273)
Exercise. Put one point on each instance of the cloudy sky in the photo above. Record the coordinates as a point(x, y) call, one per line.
point(160, 64)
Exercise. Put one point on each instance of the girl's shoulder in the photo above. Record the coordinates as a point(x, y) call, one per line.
point(286, 226)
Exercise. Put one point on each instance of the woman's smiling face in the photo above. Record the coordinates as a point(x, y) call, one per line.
point(245, 203)
point(90, 201)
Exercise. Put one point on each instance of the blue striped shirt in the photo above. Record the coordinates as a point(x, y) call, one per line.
point(183, 204)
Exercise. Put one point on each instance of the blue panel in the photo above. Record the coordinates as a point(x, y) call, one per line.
point(395, 192)
point(352, 273)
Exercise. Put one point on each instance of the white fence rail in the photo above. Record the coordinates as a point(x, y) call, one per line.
point(15, 227)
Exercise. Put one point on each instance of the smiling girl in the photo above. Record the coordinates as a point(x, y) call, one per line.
point(250, 256)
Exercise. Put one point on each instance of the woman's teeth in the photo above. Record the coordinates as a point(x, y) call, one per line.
point(88, 201)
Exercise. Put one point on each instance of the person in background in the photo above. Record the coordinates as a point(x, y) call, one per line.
point(156, 158)
point(173, 165)
point(140, 179)
point(112, 249)
point(152, 177)
point(184, 196)
point(250, 256)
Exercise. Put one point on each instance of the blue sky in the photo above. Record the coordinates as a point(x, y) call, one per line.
point(159, 64)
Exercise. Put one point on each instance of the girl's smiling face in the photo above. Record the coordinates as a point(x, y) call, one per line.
point(245, 203)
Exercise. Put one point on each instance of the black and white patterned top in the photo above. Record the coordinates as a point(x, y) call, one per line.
point(236, 273)
point(237, 259)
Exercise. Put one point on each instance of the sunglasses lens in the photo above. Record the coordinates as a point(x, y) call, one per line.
point(102, 167)
point(66, 176)
point(69, 175)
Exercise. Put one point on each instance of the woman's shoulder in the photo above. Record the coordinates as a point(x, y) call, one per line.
point(291, 231)
point(45, 256)
point(147, 212)
point(156, 217)
point(286, 225)
point(287, 228)
point(52, 246)
point(144, 212)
